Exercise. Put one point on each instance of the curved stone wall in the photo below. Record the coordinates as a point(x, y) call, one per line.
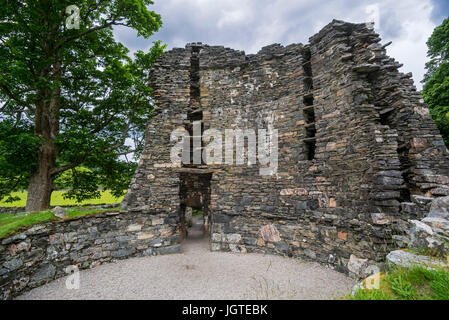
point(42, 253)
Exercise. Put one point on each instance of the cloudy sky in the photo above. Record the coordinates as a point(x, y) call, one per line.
point(251, 24)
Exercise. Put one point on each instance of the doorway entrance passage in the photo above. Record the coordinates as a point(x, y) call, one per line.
point(194, 195)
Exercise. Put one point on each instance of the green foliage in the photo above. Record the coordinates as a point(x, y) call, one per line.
point(74, 91)
point(401, 286)
point(114, 175)
point(436, 95)
point(64, 180)
point(84, 184)
point(436, 81)
point(438, 45)
point(440, 285)
point(197, 213)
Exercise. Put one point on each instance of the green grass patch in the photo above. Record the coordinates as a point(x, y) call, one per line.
point(416, 283)
point(10, 223)
point(370, 295)
point(58, 200)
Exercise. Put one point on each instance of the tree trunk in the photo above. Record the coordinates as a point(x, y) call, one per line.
point(46, 127)
point(40, 187)
point(46, 123)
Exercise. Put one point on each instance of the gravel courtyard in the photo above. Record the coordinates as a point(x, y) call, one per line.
point(200, 274)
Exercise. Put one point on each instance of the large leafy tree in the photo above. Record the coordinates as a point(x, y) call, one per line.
point(70, 95)
point(436, 81)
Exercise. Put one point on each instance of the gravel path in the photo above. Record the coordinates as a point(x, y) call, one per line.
point(200, 274)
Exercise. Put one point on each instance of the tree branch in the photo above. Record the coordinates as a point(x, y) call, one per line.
point(11, 96)
point(113, 21)
point(75, 164)
point(92, 9)
point(124, 133)
point(13, 187)
point(128, 152)
point(106, 150)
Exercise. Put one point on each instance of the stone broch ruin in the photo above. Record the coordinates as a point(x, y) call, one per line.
point(358, 150)
point(358, 155)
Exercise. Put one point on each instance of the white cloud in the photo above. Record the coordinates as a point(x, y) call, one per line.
point(410, 48)
point(251, 24)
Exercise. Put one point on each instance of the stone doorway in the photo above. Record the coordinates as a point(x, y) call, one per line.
point(195, 202)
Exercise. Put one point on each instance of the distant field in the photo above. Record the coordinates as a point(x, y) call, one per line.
point(58, 200)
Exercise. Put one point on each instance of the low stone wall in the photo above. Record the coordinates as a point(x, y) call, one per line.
point(336, 239)
point(11, 209)
point(342, 239)
point(42, 253)
point(98, 206)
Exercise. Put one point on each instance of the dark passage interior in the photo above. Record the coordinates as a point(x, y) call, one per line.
point(195, 199)
point(308, 107)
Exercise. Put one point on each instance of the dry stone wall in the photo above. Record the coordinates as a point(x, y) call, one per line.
point(358, 153)
point(42, 253)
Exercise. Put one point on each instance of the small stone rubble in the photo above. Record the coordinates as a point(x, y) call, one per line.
point(430, 233)
point(59, 212)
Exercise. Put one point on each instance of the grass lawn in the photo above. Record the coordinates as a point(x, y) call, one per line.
point(58, 200)
point(10, 222)
point(416, 283)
